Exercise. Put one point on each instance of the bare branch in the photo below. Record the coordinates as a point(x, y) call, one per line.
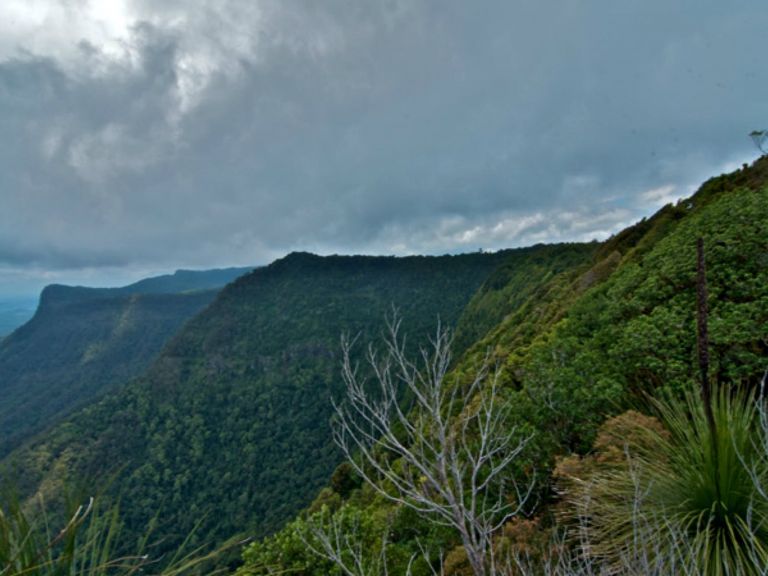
point(448, 454)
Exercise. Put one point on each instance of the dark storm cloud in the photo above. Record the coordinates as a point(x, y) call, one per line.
point(235, 132)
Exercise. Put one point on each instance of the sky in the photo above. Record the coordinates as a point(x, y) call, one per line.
point(141, 136)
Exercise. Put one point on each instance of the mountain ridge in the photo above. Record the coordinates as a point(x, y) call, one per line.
point(82, 342)
point(231, 421)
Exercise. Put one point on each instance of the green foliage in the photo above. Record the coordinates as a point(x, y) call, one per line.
point(84, 543)
point(344, 480)
point(229, 428)
point(635, 331)
point(518, 279)
point(291, 549)
point(684, 486)
point(380, 532)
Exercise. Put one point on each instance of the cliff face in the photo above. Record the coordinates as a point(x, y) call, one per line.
point(84, 342)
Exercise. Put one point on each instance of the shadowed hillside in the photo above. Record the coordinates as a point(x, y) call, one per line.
point(83, 342)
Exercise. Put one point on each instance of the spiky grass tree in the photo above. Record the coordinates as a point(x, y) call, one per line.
point(84, 544)
point(688, 490)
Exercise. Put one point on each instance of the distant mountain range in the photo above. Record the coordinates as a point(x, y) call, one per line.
point(83, 342)
point(16, 311)
point(181, 281)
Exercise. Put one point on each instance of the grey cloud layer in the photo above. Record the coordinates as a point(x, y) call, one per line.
point(236, 131)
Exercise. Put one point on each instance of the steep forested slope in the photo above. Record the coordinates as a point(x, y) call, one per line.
point(635, 331)
point(591, 341)
point(85, 341)
point(231, 423)
point(522, 277)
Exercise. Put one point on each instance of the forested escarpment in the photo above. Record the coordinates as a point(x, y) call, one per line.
point(83, 342)
point(587, 344)
point(522, 277)
point(231, 423)
point(71, 352)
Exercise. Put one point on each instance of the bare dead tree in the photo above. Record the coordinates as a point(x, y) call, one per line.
point(447, 455)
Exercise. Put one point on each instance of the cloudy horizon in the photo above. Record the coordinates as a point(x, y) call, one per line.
point(146, 135)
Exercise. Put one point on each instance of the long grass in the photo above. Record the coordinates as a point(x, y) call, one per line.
point(693, 489)
point(84, 543)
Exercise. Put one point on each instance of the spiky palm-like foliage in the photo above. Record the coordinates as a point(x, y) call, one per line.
point(85, 545)
point(692, 488)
